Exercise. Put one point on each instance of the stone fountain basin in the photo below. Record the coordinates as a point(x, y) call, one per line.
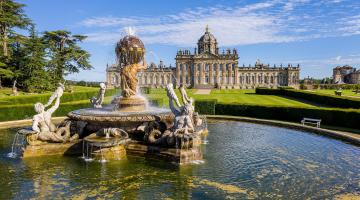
point(98, 118)
point(101, 141)
point(107, 114)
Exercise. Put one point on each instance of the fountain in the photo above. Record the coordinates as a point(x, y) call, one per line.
point(128, 125)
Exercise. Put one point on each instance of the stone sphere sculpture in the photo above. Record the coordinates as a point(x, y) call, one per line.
point(130, 51)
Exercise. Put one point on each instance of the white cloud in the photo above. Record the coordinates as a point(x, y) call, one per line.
point(108, 21)
point(273, 21)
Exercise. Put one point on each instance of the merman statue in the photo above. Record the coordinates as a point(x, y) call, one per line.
point(97, 101)
point(45, 130)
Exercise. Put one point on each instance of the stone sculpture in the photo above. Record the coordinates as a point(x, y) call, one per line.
point(45, 130)
point(97, 101)
point(130, 52)
point(182, 134)
point(14, 89)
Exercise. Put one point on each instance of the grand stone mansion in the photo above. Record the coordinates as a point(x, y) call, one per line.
point(346, 75)
point(206, 67)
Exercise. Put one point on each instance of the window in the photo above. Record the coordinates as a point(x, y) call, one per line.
point(206, 67)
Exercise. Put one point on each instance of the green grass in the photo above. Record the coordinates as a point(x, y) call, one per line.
point(349, 93)
point(235, 96)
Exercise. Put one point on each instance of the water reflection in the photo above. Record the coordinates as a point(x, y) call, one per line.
point(242, 160)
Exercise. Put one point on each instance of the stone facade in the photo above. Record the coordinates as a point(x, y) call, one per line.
point(346, 75)
point(207, 68)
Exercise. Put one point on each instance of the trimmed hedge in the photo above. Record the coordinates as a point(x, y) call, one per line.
point(334, 117)
point(337, 86)
point(267, 91)
point(67, 97)
point(206, 107)
point(145, 90)
point(18, 112)
point(336, 101)
point(156, 102)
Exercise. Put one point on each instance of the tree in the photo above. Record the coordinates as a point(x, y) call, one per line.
point(4, 73)
point(64, 53)
point(11, 16)
point(34, 77)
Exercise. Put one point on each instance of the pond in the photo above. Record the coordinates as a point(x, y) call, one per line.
point(241, 160)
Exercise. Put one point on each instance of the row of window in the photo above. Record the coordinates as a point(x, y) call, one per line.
point(215, 67)
point(241, 80)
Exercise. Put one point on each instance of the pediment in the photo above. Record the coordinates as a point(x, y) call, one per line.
point(206, 55)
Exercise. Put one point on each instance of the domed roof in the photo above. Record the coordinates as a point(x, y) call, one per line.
point(207, 37)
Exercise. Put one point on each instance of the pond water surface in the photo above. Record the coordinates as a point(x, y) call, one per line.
point(242, 160)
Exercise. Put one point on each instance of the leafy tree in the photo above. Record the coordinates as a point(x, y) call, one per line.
point(34, 77)
point(64, 53)
point(4, 73)
point(11, 16)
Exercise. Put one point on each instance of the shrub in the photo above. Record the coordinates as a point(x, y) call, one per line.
point(67, 97)
point(336, 101)
point(145, 90)
point(334, 117)
point(337, 86)
point(156, 102)
point(206, 107)
point(18, 112)
point(267, 91)
point(303, 87)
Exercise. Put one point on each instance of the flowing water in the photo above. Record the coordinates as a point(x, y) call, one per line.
point(242, 160)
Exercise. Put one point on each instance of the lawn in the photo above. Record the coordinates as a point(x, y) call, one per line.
point(235, 96)
point(347, 93)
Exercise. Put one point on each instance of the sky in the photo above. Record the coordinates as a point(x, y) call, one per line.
point(317, 34)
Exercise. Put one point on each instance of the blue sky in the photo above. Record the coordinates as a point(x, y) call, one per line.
point(317, 34)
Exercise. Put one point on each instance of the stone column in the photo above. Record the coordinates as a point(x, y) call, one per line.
point(178, 74)
point(218, 74)
point(223, 71)
point(196, 73)
point(230, 74)
point(201, 73)
point(211, 74)
point(183, 73)
point(236, 71)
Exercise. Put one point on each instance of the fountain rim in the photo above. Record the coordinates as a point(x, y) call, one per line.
point(85, 114)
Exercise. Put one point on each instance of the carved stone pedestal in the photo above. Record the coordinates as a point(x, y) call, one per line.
point(45, 149)
point(111, 153)
point(177, 156)
point(131, 104)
